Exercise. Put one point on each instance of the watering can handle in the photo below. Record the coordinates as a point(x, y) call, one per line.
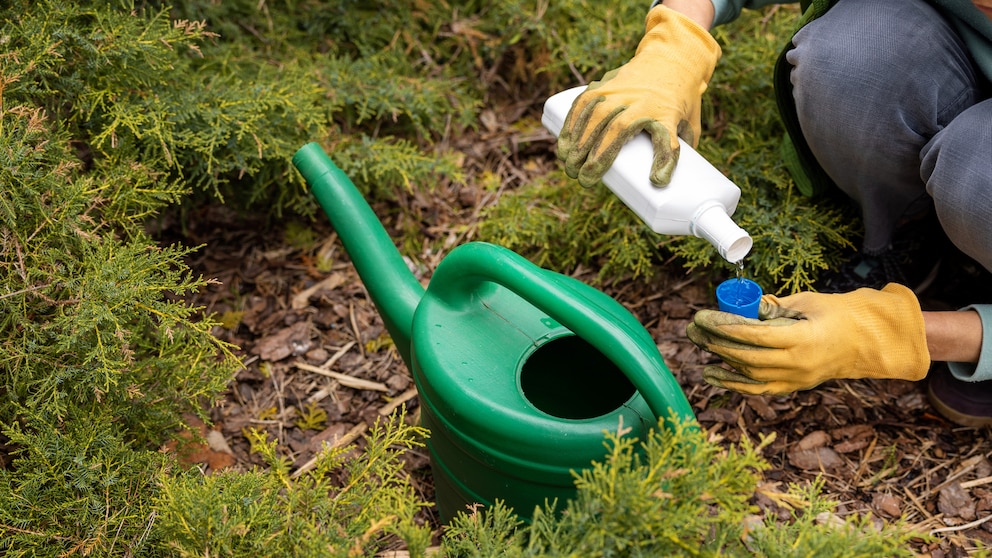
point(592, 315)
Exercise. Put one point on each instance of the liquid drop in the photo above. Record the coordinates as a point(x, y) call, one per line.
point(740, 282)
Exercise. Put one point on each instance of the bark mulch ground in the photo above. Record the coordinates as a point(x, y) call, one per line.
point(312, 343)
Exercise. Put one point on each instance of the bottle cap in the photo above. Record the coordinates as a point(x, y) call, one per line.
point(739, 296)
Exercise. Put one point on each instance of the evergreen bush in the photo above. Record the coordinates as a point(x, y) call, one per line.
point(100, 355)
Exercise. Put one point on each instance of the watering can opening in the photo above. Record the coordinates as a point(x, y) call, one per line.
point(569, 378)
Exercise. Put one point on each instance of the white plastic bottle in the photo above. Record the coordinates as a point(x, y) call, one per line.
point(698, 201)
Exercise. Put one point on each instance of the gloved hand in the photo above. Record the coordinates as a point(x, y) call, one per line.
point(659, 91)
point(805, 339)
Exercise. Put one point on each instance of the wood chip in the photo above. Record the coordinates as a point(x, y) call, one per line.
point(302, 299)
point(336, 356)
point(966, 466)
point(357, 430)
point(971, 525)
point(816, 459)
point(976, 482)
point(292, 340)
point(429, 551)
point(954, 501)
point(813, 440)
point(718, 414)
point(853, 438)
point(343, 379)
point(348, 438)
point(887, 504)
point(397, 401)
point(759, 404)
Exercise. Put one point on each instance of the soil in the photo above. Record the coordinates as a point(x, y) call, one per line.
point(311, 342)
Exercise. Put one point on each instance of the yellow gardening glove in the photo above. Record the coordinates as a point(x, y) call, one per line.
point(805, 339)
point(659, 91)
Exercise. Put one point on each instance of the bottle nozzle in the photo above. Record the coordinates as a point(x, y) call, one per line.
point(713, 224)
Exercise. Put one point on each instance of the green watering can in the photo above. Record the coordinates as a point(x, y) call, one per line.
point(520, 370)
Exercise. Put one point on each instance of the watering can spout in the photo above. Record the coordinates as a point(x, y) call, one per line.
point(393, 288)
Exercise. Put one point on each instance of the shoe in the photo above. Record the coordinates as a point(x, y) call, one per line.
point(963, 403)
point(912, 259)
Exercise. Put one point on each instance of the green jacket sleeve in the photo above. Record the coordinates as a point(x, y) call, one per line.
point(983, 370)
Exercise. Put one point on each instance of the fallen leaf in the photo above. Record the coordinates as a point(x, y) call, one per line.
point(217, 442)
point(196, 453)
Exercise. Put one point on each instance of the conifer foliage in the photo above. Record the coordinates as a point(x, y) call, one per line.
point(99, 355)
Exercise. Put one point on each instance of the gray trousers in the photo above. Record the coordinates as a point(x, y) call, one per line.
point(895, 112)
